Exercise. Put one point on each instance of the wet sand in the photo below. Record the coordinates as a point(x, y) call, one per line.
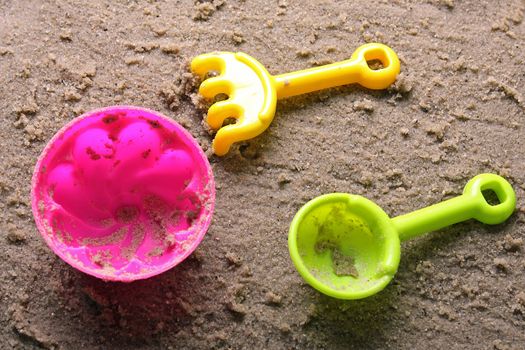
point(457, 110)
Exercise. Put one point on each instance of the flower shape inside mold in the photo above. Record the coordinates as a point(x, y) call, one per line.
point(123, 193)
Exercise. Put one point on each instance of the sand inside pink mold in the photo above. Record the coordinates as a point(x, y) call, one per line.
point(123, 193)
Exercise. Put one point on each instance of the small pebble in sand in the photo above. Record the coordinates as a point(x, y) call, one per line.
point(284, 327)
point(205, 9)
point(459, 64)
point(34, 132)
point(501, 264)
point(511, 244)
point(448, 3)
point(66, 35)
point(72, 95)
point(283, 179)
point(21, 122)
point(272, 299)
point(237, 38)
point(133, 60)
point(404, 84)
point(5, 51)
point(159, 31)
point(413, 31)
point(424, 105)
point(237, 309)
point(437, 130)
point(28, 107)
point(520, 298)
point(143, 46)
point(304, 53)
point(16, 236)
point(364, 105)
point(171, 49)
point(233, 259)
point(446, 312)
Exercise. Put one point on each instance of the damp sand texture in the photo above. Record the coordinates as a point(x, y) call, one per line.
point(457, 110)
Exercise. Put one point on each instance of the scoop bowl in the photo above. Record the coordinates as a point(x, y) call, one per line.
point(351, 232)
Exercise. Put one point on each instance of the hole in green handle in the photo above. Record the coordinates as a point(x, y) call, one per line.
point(491, 197)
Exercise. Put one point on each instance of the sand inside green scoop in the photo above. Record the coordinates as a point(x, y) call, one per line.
point(339, 248)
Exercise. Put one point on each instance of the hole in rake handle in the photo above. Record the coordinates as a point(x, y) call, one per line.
point(375, 64)
point(377, 59)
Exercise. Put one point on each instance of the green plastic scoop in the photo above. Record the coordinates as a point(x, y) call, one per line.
point(347, 247)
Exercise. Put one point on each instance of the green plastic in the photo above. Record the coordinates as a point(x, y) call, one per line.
point(357, 228)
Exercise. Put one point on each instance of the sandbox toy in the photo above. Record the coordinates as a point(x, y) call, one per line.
point(252, 92)
point(347, 247)
point(123, 193)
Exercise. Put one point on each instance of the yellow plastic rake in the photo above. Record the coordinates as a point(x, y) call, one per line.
point(253, 92)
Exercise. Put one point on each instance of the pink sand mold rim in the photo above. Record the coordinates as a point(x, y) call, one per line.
point(123, 193)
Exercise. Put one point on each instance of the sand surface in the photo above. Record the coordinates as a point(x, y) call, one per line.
point(457, 110)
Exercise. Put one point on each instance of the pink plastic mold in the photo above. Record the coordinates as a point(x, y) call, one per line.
point(123, 193)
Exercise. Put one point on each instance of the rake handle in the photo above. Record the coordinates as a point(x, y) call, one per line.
point(353, 70)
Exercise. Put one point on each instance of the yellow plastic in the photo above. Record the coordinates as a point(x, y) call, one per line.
point(253, 92)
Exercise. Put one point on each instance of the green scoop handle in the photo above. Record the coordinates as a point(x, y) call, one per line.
point(470, 205)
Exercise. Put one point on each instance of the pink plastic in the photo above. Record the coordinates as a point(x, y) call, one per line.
point(123, 193)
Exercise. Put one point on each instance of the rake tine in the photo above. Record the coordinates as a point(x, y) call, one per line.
point(230, 134)
point(222, 110)
point(213, 86)
point(202, 64)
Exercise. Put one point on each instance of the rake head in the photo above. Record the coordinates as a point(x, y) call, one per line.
point(251, 96)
